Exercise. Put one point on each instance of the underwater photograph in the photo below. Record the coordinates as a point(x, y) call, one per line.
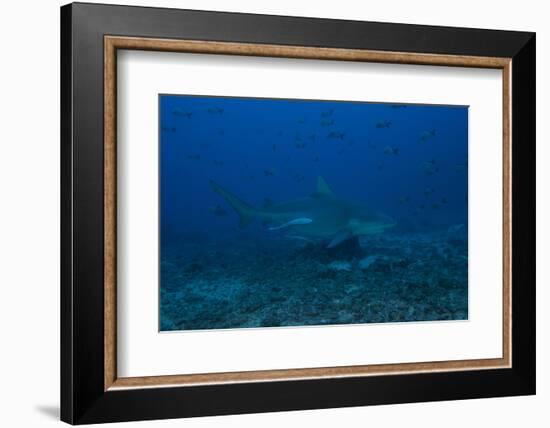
point(290, 212)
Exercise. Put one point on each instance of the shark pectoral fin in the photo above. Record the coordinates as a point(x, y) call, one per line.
point(296, 221)
point(340, 237)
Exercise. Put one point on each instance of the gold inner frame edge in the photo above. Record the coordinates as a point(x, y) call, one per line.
point(113, 43)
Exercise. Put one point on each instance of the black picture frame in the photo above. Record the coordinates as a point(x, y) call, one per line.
point(83, 396)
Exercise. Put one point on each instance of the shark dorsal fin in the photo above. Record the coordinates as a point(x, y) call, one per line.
point(322, 188)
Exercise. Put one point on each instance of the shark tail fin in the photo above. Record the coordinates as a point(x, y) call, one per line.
point(244, 210)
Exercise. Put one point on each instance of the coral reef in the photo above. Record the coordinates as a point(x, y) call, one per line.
point(385, 278)
point(340, 265)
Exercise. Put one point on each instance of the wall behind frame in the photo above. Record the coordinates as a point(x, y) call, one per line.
point(29, 219)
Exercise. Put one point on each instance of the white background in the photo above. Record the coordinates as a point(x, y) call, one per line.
point(29, 226)
point(144, 352)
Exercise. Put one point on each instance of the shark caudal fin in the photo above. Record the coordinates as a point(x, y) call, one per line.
point(244, 210)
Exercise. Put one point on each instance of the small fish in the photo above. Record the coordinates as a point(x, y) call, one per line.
point(168, 129)
point(269, 172)
point(299, 145)
point(248, 177)
point(371, 145)
point(336, 135)
point(267, 203)
point(455, 229)
point(389, 150)
point(312, 137)
point(297, 221)
point(435, 206)
point(404, 200)
point(274, 147)
point(341, 151)
point(215, 110)
point(428, 191)
point(221, 131)
point(299, 177)
point(316, 158)
point(326, 122)
point(218, 163)
point(444, 201)
point(430, 167)
point(178, 111)
point(301, 120)
point(426, 135)
point(380, 166)
point(194, 157)
point(383, 124)
point(279, 133)
point(218, 211)
point(297, 137)
point(327, 113)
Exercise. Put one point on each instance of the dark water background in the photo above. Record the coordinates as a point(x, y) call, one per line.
point(408, 161)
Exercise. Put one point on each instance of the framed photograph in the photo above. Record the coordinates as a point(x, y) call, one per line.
point(266, 213)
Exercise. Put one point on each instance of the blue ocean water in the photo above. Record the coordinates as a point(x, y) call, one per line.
point(230, 259)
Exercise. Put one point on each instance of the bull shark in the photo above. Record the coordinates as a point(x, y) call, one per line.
point(321, 215)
